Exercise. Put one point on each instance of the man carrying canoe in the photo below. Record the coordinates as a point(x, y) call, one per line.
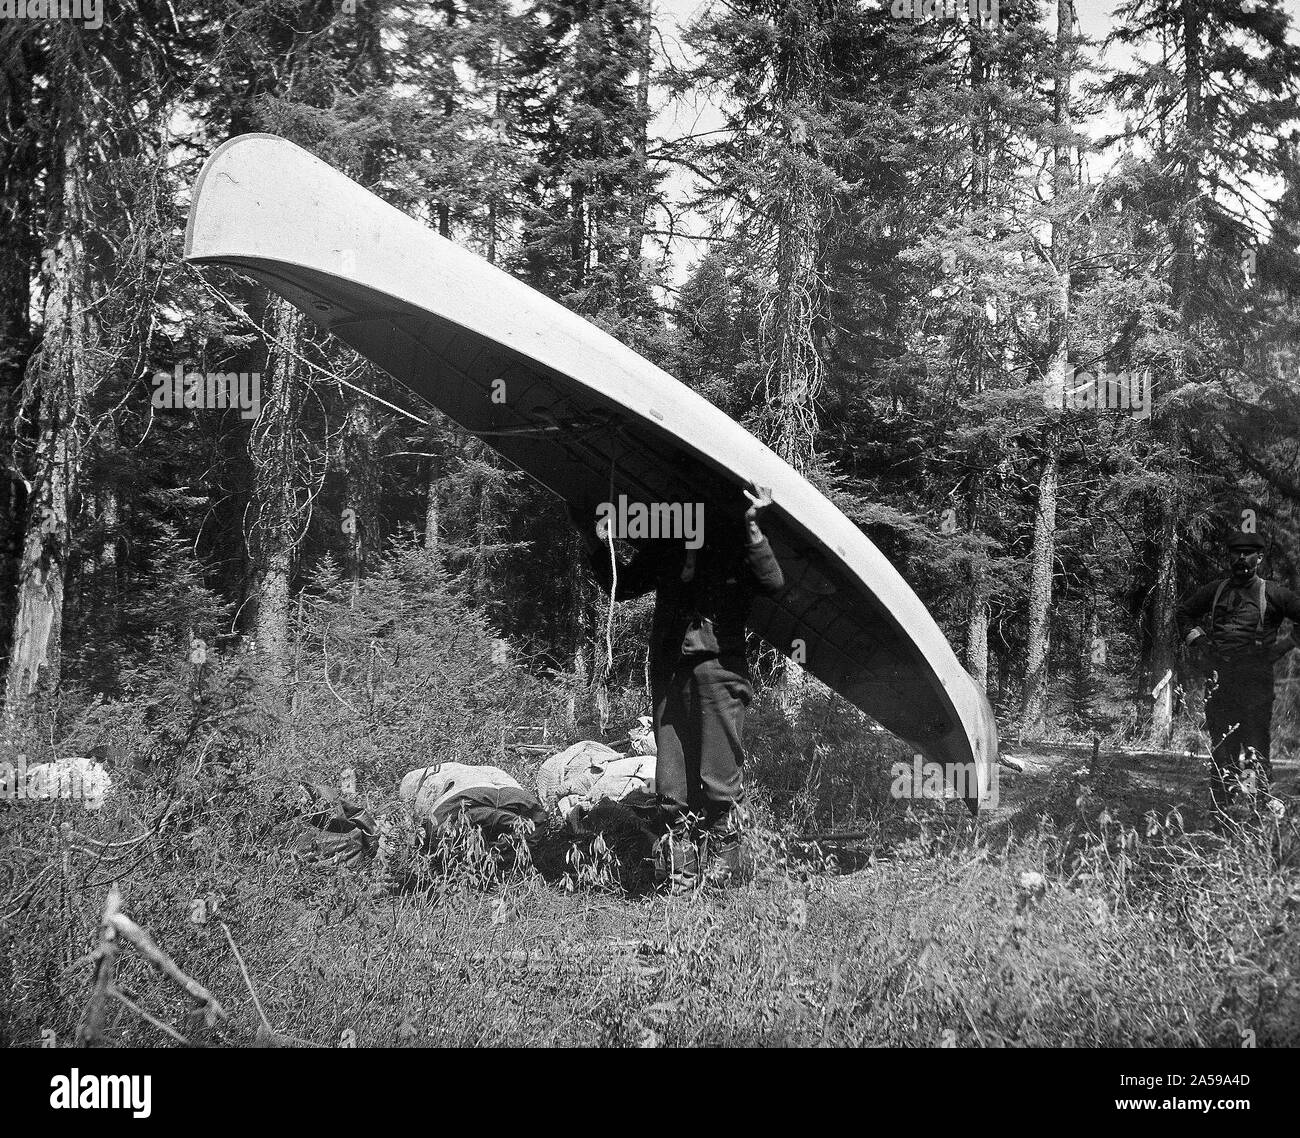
point(699, 679)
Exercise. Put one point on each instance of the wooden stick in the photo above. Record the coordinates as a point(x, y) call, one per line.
point(91, 1026)
point(71, 835)
point(116, 994)
point(164, 963)
point(240, 961)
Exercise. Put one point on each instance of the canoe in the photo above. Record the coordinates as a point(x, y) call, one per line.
point(583, 413)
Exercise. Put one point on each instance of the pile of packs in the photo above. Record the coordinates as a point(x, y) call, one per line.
point(337, 829)
point(572, 783)
point(570, 787)
point(490, 798)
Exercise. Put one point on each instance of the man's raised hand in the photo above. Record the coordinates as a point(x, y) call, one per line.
point(759, 499)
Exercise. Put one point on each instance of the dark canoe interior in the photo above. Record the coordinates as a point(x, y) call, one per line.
point(568, 438)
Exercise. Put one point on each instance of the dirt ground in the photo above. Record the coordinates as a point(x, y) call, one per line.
point(1128, 783)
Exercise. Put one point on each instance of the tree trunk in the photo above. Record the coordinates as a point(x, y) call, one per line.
point(1040, 593)
point(1164, 648)
point(275, 570)
point(38, 621)
point(109, 519)
point(1034, 700)
point(636, 228)
point(794, 365)
point(57, 383)
point(361, 473)
point(1164, 638)
point(792, 344)
point(977, 613)
point(1086, 685)
point(979, 130)
point(275, 508)
point(977, 629)
point(1184, 252)
point(18, 249)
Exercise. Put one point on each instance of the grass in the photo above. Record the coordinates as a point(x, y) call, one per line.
point(1090, 909)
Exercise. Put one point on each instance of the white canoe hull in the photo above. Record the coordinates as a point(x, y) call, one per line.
point(456, 329)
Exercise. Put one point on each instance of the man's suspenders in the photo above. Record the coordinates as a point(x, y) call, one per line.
point(1260, 602)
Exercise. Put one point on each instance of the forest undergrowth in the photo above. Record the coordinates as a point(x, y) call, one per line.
point(1086, 910)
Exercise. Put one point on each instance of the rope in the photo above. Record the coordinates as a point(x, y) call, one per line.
point(288, 350)
point(613, 581)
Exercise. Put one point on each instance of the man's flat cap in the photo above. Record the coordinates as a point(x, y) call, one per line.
point(1238, 540)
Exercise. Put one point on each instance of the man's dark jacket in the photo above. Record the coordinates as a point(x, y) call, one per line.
point(1236, 634)
point(704, 616)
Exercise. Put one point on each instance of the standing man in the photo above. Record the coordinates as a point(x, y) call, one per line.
point(699, 680)
point(1234, 623)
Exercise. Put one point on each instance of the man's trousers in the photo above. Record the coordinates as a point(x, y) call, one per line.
point(1238, 716)
point(699, 715)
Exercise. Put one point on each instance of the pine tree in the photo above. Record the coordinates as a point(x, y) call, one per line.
point(1212, 110)
point(96, 100)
